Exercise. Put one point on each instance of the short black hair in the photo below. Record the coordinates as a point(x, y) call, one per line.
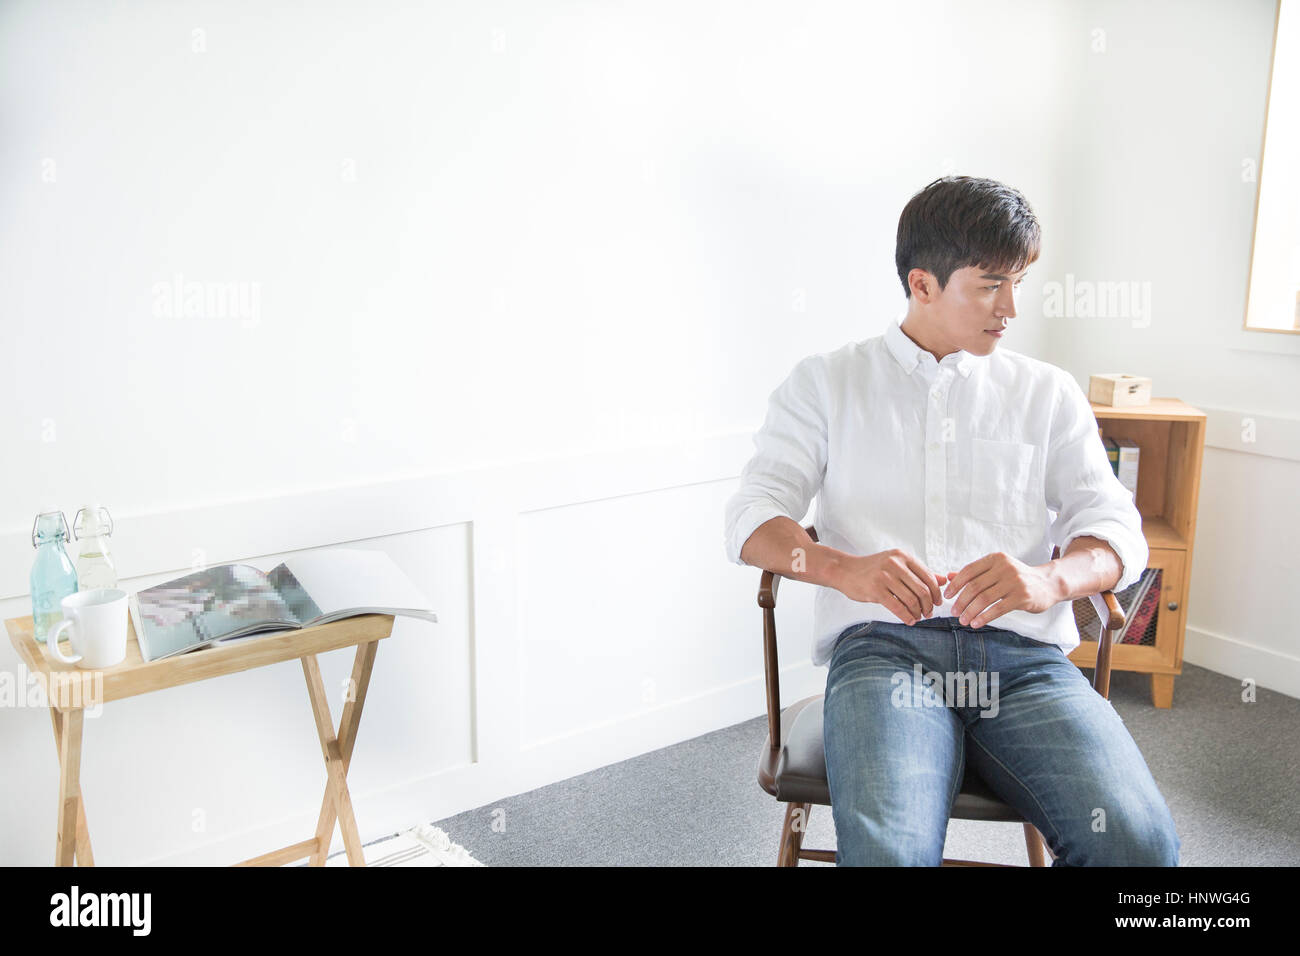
point(960, 221)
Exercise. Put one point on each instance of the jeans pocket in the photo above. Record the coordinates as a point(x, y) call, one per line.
point(853, 630)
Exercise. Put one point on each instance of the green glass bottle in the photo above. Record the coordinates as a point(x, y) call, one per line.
point(53, 575)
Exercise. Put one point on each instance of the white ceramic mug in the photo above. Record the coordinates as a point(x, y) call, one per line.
point(98, 621)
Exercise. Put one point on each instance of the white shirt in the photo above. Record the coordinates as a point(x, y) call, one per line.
point(947, 460)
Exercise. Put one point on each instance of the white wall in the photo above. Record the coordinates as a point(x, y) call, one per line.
point(538, 238)
point(1165, 120)
point(527, 275)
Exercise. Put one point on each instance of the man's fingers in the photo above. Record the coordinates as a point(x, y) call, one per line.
point(963, 577)
point(924, 596)
point(898, 610)
point(908, 593)
point(969, 592)
point(927, 576)
point(967, 574)
point(984, 593)
point(991, 613)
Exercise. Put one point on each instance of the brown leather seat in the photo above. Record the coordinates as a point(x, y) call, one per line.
point(797, 772)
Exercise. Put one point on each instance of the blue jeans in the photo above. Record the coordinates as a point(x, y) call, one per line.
point(905, 708)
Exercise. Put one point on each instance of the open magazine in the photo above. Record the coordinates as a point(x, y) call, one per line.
point(237, 600)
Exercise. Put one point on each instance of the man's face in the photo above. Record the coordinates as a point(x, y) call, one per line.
point(974, 302)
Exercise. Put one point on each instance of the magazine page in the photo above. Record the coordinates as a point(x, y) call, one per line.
point(198, 608)
point(293, 594)
point(339, 580)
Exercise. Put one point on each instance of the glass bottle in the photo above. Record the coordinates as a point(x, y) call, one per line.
point(95, 566)
point(53, 575)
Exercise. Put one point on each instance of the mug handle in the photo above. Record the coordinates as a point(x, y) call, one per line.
point(52, 642)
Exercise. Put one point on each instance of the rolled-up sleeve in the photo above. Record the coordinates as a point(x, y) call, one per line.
point(789, 462)
point(1084, 491)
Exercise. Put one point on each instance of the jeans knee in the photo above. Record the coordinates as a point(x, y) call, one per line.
point(1136, 838)
point(865, 839)
point(895, 851)
point(1156, 843)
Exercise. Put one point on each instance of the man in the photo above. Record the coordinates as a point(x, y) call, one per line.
point(945, 472)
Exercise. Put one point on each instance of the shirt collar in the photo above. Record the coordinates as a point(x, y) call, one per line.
point(909, 353)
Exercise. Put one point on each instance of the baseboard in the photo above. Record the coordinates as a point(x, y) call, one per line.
point(608, 742)
point(1267, 667)
point(449, 792)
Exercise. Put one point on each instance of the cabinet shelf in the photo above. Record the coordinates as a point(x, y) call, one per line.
point(1171, 437)
point(1160, 534)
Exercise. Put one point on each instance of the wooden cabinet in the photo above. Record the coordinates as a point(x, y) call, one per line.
point(1171, 436)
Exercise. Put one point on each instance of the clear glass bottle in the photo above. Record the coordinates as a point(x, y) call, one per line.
point(95, 566)
point(53, 575)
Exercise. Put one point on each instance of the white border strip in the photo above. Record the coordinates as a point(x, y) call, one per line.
point(1252, 433)
point(156, 542)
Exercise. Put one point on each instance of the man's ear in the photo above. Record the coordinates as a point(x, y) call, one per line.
point(921, 283)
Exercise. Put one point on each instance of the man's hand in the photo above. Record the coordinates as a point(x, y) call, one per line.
point(991, 586)
point(894, 579)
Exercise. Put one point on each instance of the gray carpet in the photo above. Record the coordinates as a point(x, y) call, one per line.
point(1229, 771)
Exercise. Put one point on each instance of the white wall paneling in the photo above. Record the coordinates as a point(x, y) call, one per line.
point(586, 615)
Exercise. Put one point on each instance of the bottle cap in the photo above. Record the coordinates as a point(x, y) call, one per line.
point(52, 509)
point(89, 521)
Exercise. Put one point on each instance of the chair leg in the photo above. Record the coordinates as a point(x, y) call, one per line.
point(1034, 843)
point(796, 824)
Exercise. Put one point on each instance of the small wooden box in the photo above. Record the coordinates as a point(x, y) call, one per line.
point(1119, 390)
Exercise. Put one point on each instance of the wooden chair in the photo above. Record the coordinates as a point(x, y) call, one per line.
point(792, 763)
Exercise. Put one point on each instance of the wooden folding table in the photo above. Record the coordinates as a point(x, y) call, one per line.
point(70, 690)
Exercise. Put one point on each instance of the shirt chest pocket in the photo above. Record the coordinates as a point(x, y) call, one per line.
point(1005, 484)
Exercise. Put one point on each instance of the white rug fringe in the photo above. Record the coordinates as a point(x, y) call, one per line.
point(441, 847)
point(423, 845)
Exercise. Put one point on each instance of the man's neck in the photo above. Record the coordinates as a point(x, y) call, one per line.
point(915, 329)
